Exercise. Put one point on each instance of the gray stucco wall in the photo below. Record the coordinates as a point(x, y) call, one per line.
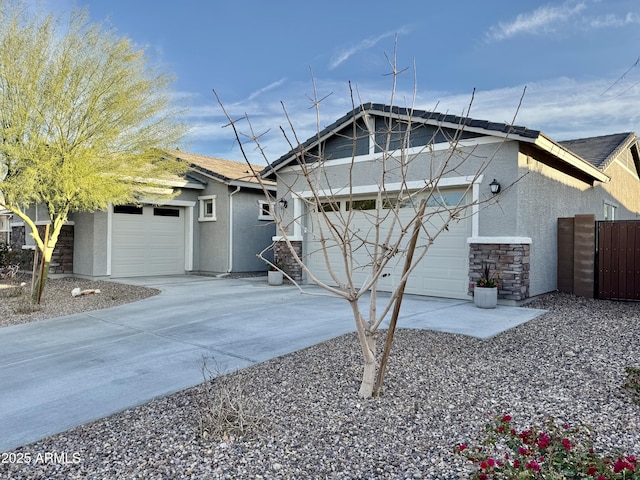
point(90, 251)
point(533, 195)
point(544, 195)
point(250, 234)
point(212, 236)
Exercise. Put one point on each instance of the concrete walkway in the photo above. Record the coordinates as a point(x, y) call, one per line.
point(60, 373)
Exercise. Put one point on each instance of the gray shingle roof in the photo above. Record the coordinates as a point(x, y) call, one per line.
point(599, 151)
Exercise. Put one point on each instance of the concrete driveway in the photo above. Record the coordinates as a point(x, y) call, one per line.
point(60, 373)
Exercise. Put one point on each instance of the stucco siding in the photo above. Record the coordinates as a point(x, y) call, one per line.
point(213, 237)
point(624, 190)
point(250, 234)
point(544, 194)
point(90, 250)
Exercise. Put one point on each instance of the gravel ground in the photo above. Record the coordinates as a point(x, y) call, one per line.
point(16, 307)
point(440, 390)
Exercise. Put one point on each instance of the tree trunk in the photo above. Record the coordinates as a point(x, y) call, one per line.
point(370, 364)
point(43, 272)
point(41, 278)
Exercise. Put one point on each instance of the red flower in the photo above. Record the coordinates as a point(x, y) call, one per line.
point(462, 447)
point(506, 418)
point(523, 451)
point(566, 443)
point(533, 465)
point(544, 440)
point(516, 463)
point(592, 470)
point(620, 465)
point(491, 462)
point(484, 465)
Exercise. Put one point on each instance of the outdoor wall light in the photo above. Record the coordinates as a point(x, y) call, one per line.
point(494, 186)
point(283, 203)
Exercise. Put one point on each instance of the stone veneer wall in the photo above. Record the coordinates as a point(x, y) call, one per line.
point(62, 258)
point(285, 260)
point(508, 261)
point(17, 236)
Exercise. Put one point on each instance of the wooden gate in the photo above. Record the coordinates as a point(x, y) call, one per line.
point(618, 260)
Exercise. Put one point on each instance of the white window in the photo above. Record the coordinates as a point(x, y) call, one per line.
point(4, 223)
point(265, 210)
point(609, 210)
point(207, 208)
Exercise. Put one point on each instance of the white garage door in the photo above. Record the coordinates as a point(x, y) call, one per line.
point(442, 273)
point(147, 240)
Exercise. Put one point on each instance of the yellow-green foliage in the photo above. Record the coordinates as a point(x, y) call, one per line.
point(84, 116)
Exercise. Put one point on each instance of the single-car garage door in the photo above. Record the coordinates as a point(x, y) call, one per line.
point(147, 240)
point(442, 273)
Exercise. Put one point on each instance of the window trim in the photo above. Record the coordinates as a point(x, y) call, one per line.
point(261, 214)
point(203, 201)
point(611, 207)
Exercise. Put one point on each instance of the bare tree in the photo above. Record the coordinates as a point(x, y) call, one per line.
point(372, 245)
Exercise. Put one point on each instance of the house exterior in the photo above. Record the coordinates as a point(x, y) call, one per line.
point(217, 224)
point(5, 226)
point(514, 230)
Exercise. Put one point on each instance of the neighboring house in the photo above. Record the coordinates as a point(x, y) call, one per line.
point(516, 230)
point(5, 226)
point(217, 224)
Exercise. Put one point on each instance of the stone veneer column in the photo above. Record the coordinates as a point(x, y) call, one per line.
point(509, 262)
point(285, 259)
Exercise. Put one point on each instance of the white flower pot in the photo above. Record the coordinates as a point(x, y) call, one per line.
point(485, 297)
point(274, 277)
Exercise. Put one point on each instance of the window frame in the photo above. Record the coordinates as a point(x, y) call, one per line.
point(261, 210)
point(202, 203)
point(610, 210)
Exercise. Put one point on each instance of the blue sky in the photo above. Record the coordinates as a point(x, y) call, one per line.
point(577, 59)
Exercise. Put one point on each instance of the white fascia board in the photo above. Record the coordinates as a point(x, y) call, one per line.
point(570, 158)
point(253, 185)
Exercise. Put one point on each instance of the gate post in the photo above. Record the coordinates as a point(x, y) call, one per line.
point(584, 245)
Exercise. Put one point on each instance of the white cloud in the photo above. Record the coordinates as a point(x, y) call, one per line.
point(271, 86)
point(611, 20)
point(344, 55)
point(541, 20)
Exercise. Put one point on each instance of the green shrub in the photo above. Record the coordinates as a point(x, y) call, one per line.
point(632, 383)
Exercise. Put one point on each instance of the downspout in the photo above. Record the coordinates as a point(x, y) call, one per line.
point(231, 229)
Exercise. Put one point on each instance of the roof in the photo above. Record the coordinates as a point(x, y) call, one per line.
point(226, 171)
point(600, 151)
point(501, 129)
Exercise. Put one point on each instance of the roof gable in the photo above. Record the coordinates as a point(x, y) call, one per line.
point(463, 127)
point(602, 150)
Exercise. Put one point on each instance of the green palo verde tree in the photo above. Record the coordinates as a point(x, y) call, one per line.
point(84, 117)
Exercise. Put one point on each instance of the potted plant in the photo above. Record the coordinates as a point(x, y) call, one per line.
point(274, 275)
point(485, 293)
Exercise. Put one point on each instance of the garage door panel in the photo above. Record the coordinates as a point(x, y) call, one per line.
point(148, 244)
point(442, 272)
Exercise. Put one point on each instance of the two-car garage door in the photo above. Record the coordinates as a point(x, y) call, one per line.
point(147, 240)
point(442, 273)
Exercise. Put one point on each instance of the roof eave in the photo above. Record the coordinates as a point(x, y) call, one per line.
point(545, 143)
